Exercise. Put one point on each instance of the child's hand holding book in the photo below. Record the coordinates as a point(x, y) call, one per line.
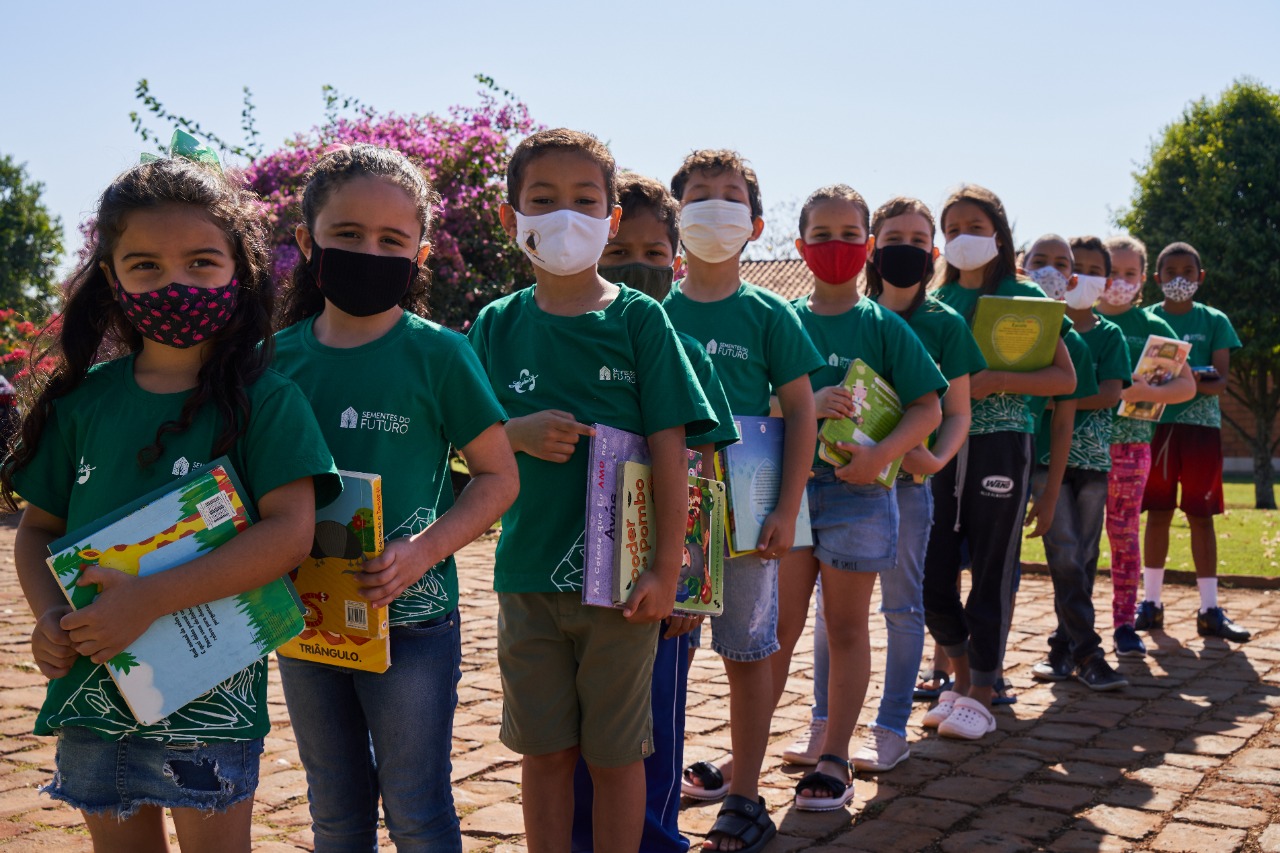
point(119, 615)
point(51, 645)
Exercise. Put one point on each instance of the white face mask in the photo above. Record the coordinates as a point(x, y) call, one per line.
point(715, 230)
point(562, 242)
point(970, 251)
point(1051, 281)
point(1087, 290)
point(1120, 292)
point(1179, 290)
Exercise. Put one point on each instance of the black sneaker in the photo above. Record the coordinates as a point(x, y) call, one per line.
point(1128, 643)
point(1058, 667)
point(1214, 623)
point(1097, 674)
point(1150, 617)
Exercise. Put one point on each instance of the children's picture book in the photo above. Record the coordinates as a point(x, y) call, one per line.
point(877, 412)
point(1162, 360)
point(187, 653)
point(339, 619)
point(609, 448)
point(752, 474)
point(1018, 333)
point(700, 589)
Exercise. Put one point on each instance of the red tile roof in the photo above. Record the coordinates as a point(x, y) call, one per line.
point(789, 279)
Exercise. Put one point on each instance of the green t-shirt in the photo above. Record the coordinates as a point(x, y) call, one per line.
point(1082, 361)
point(622, 366)
point(1137, 325)
point(880, 338)
point(947, 339)
point(998, 412)
point(393, 407)
point(726, 432)
point(1208, 330)
point(754, 338)
point(86, 467)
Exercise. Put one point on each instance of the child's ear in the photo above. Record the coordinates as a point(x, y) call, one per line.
point(1200, 280)
point(302, 236)
point(757, 229)
point(871, 244)
point(507, 218)
point(615, 216)
point(800, 246)
point(106, 270)
point(423, 253)
point(937, 253)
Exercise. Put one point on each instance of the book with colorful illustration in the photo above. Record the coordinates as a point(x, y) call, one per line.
point(1162, 360)
point(877, 412)
point(1018, 333)
point(700, 589)
point(608, 449)
point(342, 629)
point(187, 653)
point(752, 475)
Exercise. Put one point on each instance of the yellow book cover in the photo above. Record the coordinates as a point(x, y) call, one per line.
point(362, 653)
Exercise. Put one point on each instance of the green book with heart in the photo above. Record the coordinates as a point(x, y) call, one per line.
point(1018, 333)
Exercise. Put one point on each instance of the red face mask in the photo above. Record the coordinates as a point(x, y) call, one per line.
point(835, 261)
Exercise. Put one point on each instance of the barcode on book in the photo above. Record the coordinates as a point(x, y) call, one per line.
point(215, 510)
point(358, 615)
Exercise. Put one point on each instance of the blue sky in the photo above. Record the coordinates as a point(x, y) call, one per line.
point(1050, 105)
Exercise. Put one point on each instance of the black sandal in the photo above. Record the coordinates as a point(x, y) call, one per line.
point(711, 785)
point(928, 694)
point(745, 821)
point(840, 791)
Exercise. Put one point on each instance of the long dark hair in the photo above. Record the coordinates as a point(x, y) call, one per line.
point(93, 327)
point(1004, 264)
point(900, 206)
point(301, 297)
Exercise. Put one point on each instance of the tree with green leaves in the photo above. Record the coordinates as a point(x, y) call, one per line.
point(1213, 180)
point(30, 244)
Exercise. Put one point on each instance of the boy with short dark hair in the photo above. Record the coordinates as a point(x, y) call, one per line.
point(576, 678)
point(1187, 447)
point(759, 347)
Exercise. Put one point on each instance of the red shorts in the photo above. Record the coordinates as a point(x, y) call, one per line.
point(1191, 455)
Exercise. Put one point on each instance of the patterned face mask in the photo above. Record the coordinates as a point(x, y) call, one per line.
point(179, 315)
point(1179, 290)
point(1120, 292)
point(1051, 281)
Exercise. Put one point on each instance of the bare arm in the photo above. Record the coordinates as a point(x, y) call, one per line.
point(1108, 396)
point(1222, 364)
point(920, 418)
point(551, 434)
point(1060, 428)
point(1179, 389)
point(1053, 381)
point(957, 416)
point(655, 590)
point(51, 645)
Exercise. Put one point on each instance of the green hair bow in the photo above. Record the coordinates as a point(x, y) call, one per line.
point(190, 148)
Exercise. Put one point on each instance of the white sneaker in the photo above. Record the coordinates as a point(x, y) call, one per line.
point(806, 749)
point(885, 751)
point(935, 715)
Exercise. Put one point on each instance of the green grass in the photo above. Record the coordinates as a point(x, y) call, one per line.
point(1248, 538)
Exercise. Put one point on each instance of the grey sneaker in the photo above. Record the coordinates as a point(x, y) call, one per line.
point(806, 749)
point(884, 751)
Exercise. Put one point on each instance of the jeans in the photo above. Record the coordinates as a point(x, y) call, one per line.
point(902, 603)
point(1071, 549)
point(362, 735)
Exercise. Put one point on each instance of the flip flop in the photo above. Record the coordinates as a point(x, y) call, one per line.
point(841, 791)
point(711, 784)
point(1003, 696)
point(928, 694)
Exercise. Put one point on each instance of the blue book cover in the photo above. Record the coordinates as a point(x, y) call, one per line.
point(752, 471)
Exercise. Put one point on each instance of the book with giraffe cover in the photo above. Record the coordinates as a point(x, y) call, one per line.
point(184, 654)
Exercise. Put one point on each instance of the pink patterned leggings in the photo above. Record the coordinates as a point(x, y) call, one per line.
point(1130, 465)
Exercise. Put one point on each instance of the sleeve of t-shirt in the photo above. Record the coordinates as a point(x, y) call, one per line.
point(670, 395)
point(1082, 361)
point(283, 443)
point(726, 432)
point(961, 354)
point(477, 336)
point(914, 373)
point(467, 403)
point(1113, 361)
point(790, 352)
point(1223, 334)
point(46, 480)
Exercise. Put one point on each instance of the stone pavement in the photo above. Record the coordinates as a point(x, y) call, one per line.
point(1186, 759)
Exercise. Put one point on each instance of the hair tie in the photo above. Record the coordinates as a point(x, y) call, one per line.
point(191, 148)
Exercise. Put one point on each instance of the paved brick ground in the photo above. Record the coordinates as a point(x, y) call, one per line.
point(1186, 759)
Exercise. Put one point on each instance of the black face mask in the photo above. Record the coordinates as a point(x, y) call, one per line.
point(361, 285)
point(901, 265)
point(651, 281)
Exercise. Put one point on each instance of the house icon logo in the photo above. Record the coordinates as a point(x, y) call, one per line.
point(712, 346)
point(605, 374)
point(349, 419)
point(181, 467)
point(833, 360)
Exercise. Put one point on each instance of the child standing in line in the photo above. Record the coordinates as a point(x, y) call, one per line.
point(572, 350)
point(854, 518)
point(1131, 437)
point(1071, 542)
point(980, 497)
point(354, 339)
point(177, 243)
point(756, 341)
point(641, 255)
point(1187, 447)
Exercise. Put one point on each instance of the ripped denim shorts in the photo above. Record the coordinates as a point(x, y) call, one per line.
point(117, 777)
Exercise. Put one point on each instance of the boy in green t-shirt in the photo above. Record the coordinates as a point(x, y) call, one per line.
point(756, 341)
point(1187, 447)
point(570, 351)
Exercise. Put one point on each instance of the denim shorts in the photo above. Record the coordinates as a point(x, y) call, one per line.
point(855, 528)
point(748, 629)
point(117, 777)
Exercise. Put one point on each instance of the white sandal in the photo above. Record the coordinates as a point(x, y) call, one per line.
point(946, 704)
point(969, 720)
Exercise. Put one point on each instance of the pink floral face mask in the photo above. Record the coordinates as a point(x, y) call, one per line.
point(179, 315)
